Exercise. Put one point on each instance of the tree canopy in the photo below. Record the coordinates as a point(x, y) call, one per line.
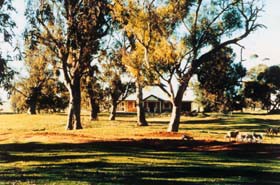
point(221, 77)
point(163, 43)
point(175, 37)
point(41, 89)
point(72, 30)
point(6, 28)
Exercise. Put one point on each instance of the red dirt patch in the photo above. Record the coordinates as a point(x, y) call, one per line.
point(161, 141)
point(162, 134)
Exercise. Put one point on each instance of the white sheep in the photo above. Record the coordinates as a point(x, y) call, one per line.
point(258, 137)
point(232, 135)
point(186, 137)
point(241, 137)
point(250, 138)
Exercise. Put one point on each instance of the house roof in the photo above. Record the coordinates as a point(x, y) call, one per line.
point(152, 98)
point(158, 93)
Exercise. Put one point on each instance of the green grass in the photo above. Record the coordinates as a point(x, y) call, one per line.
point(37, 150)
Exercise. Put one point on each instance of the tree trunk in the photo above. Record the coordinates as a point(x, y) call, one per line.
point(32, 100)
point(175, 118)
point(176, 110)
point(141, 120)
point(94, 109)
point(32, 107)
point(113, 111)
point(74, 114)
point(93, 105)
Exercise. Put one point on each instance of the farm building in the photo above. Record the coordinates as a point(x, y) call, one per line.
point(156, 101)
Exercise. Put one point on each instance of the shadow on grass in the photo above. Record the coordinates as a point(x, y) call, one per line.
point(230, 122)
point(140, 162)
point(218, 120)
point(251, 124)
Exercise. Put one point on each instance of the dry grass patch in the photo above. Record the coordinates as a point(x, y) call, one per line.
point(50, 128)
point(38, 150)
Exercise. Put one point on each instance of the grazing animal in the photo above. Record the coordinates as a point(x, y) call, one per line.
point(186, 137)
point(268, 131)
point(250, 138)
point(272, 131)
point(241, 137)
point(275, 131)
point(232, 135)
point(258, 137)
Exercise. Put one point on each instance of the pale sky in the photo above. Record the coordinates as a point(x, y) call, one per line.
point(265, 42)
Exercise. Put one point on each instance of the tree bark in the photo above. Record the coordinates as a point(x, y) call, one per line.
point(175, 117)
point(176, 110)
point(32, 108)
point(93, 105)
point(74, 114)
point(94, 109)
point(113, 111)
point(141, 119)
point(33, 99)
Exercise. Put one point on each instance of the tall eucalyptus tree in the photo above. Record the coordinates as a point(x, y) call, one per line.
point(72, 29)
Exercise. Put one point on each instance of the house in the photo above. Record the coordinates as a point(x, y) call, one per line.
point(156, 101)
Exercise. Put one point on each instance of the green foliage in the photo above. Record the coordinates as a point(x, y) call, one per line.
point(271, 78)
point(220, 79)
point(54, 97)
point(72, 30)
point(265, 87)
point(50, 96)
point(257, 92)
point(117, 81)
point(6, 28)
point(205, 27)
point(41, 90)
point(6, 22)
point(92, 92)
point(6, 74)
point(254, 72)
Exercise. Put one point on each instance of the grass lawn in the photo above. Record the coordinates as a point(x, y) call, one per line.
point(37, 150)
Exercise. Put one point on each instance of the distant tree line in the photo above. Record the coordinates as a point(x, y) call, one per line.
point(263, 88)
point(225, 90)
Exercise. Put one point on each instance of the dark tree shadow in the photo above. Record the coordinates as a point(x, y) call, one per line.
point(194, 162)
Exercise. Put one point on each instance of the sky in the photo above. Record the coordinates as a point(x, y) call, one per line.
point(264, 42)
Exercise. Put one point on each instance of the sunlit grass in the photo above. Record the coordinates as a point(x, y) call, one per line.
point(97, 164)
point(51, 128)
point(38, 150)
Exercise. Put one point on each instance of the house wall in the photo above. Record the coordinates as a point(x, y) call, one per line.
point(127, 106)
point(122, 107)
point(131, 106)
point(153, 106)
point(166, 106)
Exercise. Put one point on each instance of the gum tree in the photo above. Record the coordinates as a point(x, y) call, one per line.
point(119, 86)
point(145, 23)
point(6, 28)
point(221, 82)
point(205, 29)
point(72, 29)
